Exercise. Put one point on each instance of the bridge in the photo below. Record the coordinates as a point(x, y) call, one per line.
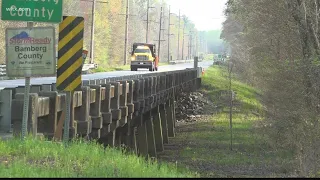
point(134, 108)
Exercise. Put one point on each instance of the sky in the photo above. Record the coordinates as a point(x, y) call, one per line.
point(205, 14)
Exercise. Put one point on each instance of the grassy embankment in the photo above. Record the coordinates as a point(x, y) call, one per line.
point(204, 146)
point(39, 158)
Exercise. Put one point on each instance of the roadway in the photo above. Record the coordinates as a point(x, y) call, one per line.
point(101, 75)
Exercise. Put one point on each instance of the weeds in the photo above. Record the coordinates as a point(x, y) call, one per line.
point(39, 158)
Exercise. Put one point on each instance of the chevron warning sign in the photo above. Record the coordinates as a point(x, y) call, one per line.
point(70, 60)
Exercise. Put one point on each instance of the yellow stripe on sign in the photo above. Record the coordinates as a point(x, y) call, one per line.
point(70, 70)
point(70, 53)
point(66, 22)
point(74, 84)
point(70, 35)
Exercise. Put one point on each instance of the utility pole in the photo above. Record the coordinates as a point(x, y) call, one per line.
point(190, 44)
point(197, 46)
point(179, 38)
point(92, 28)
point(188, 53)
point(160, 29)
point(169, 36)
point(184, 26)
point(126, 34)
point(159, 43)
point(92, 31)
point(147, 28)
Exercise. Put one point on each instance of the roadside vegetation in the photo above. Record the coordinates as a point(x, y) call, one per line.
point(204, 146)
point(39, 158)
point(280, 57)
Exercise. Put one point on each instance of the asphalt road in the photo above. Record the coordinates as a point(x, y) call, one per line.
point(50, 80)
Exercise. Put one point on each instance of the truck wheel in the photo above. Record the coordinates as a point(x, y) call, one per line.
point(150, 69)
point(133, 69)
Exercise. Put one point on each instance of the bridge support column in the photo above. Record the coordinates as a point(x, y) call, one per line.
point(157, 129)
point(170, 118)
point(106, 112)
point(116, 112)
point(133, 140)
point(150, 135)
point(122, 130)
point(79, 113)
point(95, 113)
point(142, 139)
point(110, 141)
point(164, 124)
point(130, 140)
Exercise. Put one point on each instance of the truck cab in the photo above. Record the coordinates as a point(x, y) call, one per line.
point(143, 56)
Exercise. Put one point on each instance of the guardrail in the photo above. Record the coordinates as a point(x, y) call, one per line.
point(137, 111)
point(85, 68)
point(3, 71)
point(180, 61)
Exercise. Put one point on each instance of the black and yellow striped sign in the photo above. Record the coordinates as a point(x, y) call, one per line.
point(69, 66)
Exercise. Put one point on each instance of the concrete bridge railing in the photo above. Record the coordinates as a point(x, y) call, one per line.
point(137, 111)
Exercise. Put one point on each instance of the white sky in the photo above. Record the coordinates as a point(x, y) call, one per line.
point(205, 14)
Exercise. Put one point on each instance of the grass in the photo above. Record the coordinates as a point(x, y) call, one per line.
point(118, 68)
point(209, 57)
point(207, 143)
point(216, 80)
point(39, 158)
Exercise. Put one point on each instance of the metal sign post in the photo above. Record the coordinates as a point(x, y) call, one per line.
point(24, 126)
point(39, 42)
point(38, 61)
point(67, 120)
point(70, 64)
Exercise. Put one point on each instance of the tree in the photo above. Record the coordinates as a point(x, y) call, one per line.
point(275, 46)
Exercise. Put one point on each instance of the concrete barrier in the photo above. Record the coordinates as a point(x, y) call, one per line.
point(136, 111)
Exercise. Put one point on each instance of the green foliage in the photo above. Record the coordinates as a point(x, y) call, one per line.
point(245, 94)
point(207, 141)
point(109, 29)
point(37, 158)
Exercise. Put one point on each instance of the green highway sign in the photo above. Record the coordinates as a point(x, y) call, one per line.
point(32, 10)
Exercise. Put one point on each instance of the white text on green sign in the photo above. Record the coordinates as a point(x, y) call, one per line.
point(32, 10)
